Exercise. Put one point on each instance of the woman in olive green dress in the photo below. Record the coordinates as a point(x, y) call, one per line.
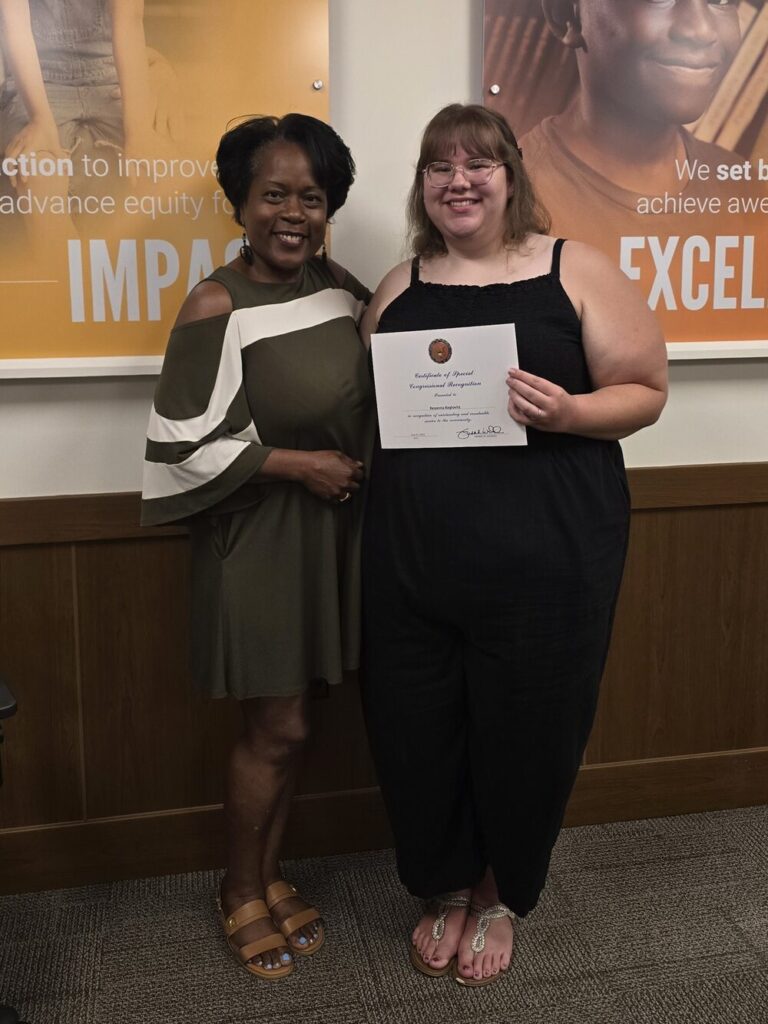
point(259, 437)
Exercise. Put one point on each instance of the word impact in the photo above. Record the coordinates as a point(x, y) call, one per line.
point(131, 287)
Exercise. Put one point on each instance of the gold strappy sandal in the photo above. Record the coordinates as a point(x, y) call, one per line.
point(484, 917)
point(279, 891)
point(444, 905)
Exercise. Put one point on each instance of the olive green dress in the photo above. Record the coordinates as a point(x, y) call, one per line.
point(275, 570)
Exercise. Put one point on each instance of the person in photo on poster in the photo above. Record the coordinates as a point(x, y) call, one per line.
point(259, 438)
point(619, 161)
point(490, 574)
point(80, 86)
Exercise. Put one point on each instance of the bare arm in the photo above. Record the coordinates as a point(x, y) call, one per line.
point(625, 354)
point(41, 133)
point(130, 52)
point(326, 474)
point(168, 119)
point(395, 282)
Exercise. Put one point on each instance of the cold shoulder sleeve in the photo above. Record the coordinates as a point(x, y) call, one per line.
point(202, 444)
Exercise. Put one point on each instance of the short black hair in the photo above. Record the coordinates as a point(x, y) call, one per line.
point(240, 150)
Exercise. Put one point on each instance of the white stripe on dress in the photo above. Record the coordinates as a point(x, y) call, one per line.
point(297, 315)
point(249, 434)
point(245, 327)
point(162, 480)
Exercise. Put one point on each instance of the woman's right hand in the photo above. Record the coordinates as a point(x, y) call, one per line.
point(40, 136)
point(331, 475)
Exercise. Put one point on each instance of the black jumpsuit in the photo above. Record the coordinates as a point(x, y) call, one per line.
point(490, 577)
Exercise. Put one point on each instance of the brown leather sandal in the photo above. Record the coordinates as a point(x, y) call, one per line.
point(276, 893)
point(254, 910)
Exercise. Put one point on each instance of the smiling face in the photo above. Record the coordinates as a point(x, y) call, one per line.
point(285, 213)
point(662, 59)
point(463, 212)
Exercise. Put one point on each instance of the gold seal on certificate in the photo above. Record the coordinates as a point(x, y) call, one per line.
point(446, 389)
point(439, 350)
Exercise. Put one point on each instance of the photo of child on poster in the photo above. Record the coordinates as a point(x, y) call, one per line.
point(76, 91)
point(643, 126)
point(110, 114)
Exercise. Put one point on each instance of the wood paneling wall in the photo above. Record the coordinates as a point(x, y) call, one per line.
point(114, 766)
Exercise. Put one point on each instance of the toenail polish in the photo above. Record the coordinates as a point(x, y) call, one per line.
point(302, 941)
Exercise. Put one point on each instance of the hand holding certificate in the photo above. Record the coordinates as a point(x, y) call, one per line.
point(446, 388)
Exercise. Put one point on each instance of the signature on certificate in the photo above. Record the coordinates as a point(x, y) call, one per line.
point(485, 432)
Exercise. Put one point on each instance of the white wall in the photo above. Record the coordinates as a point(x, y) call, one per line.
point(72, 437)
point(393, 64)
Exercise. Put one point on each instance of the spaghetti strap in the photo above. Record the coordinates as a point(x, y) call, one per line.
point(415, 270)
point(557, 248)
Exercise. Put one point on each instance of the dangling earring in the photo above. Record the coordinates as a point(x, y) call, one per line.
point(246, 252)
point(324, 254)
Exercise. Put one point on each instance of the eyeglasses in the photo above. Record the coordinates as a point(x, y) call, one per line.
point(477, 171)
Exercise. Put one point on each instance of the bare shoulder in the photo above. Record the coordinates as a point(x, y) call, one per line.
point(538, 245)
point(622, 339)
point(580, 254)
point(583, 261)
point(588, 274)
point(207, 299)
point(390, 286)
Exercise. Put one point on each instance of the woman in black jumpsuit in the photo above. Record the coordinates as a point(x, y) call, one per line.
point(491, 574)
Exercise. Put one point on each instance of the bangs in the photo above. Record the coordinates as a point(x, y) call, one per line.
point(480, 132)
point(468, 131)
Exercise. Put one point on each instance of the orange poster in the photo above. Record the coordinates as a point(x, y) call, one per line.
point(110, 114)
point(644, 126)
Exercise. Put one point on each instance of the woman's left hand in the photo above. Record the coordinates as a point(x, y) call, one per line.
point(537, 402)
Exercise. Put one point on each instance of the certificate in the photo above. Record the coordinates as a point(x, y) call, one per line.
point(446, 388)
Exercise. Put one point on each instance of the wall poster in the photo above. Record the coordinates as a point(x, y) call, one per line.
point(110, 113)
point(644, 125)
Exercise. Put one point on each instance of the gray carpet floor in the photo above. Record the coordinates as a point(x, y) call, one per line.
point(648, 922)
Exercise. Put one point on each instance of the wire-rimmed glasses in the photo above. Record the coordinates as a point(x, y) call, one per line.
point(477, 171)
